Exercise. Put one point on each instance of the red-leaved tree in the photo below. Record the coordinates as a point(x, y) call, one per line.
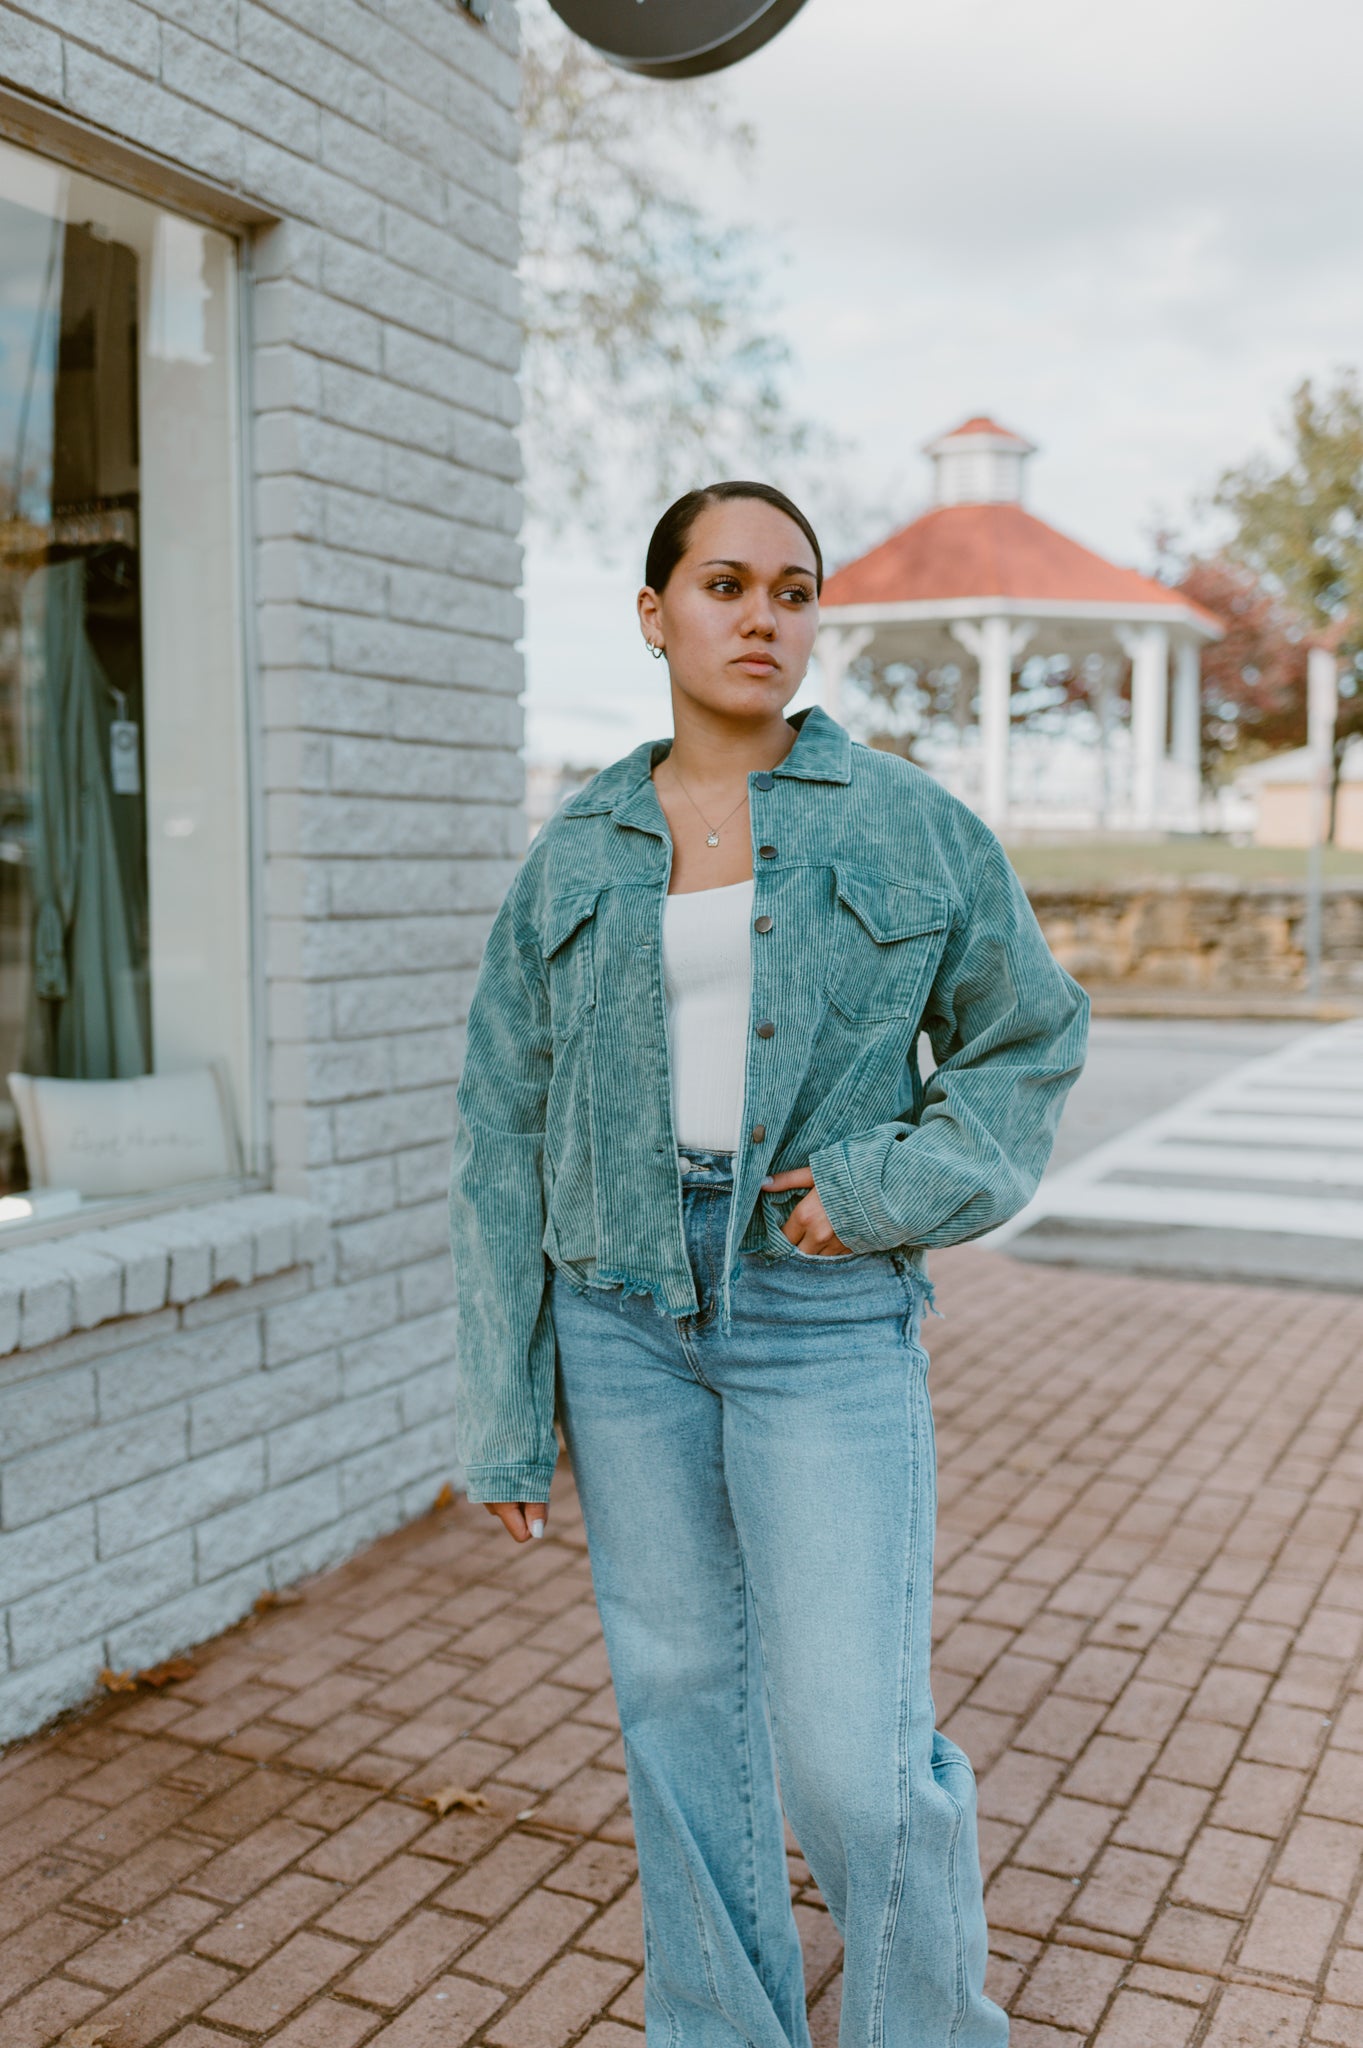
point(1254, 680)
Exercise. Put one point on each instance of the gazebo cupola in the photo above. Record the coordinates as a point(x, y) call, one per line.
point(979, 463)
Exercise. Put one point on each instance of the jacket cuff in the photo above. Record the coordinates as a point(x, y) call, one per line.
point(841, 1188)
point(508, 1482)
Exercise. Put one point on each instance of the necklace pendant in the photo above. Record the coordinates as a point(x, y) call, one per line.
point(713, 840)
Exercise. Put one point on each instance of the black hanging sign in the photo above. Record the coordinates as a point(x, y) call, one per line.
point(676, 38)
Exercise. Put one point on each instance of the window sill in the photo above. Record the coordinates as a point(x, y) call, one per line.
point(107, 1212)
point(53, 1285)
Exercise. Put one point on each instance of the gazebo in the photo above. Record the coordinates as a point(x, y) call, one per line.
point(979, 575)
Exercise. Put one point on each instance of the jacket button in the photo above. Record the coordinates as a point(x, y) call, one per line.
point(758, 1133)
point(767, 852)
point(766, 1029)
point(763, 924)
point(765, 780)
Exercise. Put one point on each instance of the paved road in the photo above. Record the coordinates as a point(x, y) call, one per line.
point(1139, 1070)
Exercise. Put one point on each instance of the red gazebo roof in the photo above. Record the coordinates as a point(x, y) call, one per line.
point(982, 424)
point(992, 551)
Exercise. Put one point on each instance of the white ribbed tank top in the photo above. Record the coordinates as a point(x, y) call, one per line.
point(707, 973)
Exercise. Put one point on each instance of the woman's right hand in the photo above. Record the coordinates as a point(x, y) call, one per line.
point(521, 1519)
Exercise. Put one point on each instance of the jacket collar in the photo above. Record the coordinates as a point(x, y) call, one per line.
point(822, 753)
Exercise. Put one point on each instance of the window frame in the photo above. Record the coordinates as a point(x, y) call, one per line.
point(48, 132)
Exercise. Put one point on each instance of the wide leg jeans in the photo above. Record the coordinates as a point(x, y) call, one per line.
point(760, 1507)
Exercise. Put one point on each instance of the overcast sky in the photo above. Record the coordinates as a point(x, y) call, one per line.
point(1125, 231)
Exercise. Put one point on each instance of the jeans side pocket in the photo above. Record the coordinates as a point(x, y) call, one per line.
point(825, 1258)
point(953, 1771)
point(776, 1209)
point(915, 1303)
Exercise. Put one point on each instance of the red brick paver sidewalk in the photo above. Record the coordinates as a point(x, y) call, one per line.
point(1150, 1619)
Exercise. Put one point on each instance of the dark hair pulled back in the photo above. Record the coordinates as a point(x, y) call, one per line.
point(672, 534)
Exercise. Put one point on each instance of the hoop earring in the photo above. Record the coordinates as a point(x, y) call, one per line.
point(655, 650)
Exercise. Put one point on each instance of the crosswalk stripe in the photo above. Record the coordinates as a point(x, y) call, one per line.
point(1307, 1102)
point(1293, 1119)
point(1248, 1162)
point(1219, 1209)
point(1275, 1130)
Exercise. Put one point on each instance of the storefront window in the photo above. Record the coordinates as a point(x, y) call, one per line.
point(124, 931)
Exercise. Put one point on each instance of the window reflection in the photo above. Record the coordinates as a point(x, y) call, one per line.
point(73, 883)
point(123, 952)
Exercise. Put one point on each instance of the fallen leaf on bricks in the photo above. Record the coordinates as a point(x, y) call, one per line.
point(265, 1602)
point(455, 1795)
point(94, 2034)
point(117, 1681)
point(167, 1673)
point(445, 1497)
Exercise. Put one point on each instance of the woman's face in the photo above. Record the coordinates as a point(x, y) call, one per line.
point(740, 611)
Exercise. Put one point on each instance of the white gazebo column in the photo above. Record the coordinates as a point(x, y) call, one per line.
point(1148, 647)
point(835, 649)
point(1097, 674)
point(995, 644)
point(1186, 749)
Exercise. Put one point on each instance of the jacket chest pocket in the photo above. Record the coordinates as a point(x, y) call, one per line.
point(569, 950)
point(887, 940)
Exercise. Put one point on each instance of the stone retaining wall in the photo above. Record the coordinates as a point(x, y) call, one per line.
point(1202, 937)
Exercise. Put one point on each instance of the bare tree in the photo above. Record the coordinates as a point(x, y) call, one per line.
point(649, 363)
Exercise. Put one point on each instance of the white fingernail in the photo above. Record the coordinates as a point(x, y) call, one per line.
point(537, 1528)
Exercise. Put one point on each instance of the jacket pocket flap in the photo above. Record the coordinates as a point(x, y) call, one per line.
point(564, 915)
point(892, 910)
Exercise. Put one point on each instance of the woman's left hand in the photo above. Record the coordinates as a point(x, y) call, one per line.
point(807, 1224)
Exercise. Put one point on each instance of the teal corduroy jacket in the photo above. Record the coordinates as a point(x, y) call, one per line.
point(893, 910)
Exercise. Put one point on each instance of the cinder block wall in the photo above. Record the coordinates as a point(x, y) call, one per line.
point(268, 1429)
point(161, 1470)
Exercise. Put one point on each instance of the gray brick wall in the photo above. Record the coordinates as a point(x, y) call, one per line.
point(160, 1471)
point(165, 1467)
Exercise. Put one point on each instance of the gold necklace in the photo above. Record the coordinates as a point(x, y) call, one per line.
point(713, 830)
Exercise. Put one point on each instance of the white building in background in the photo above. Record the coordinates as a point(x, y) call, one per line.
point(260, 781)
point(549, 784)
point(1280, 797)
point(981, 584)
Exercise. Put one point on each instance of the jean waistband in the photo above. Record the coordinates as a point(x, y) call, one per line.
point(702, 1166)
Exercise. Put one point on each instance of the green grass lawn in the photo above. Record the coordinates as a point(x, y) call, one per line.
point(1079, 861)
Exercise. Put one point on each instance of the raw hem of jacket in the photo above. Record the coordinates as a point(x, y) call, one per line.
point(508, 1482)
point(584, 1276)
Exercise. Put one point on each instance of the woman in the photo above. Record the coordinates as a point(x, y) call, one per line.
point(695, 1174)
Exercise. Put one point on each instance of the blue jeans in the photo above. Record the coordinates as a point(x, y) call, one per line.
point(760, 1510)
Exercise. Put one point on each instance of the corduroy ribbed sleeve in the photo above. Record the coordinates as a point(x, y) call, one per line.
point(1009, 1029)
point(504, 1352)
